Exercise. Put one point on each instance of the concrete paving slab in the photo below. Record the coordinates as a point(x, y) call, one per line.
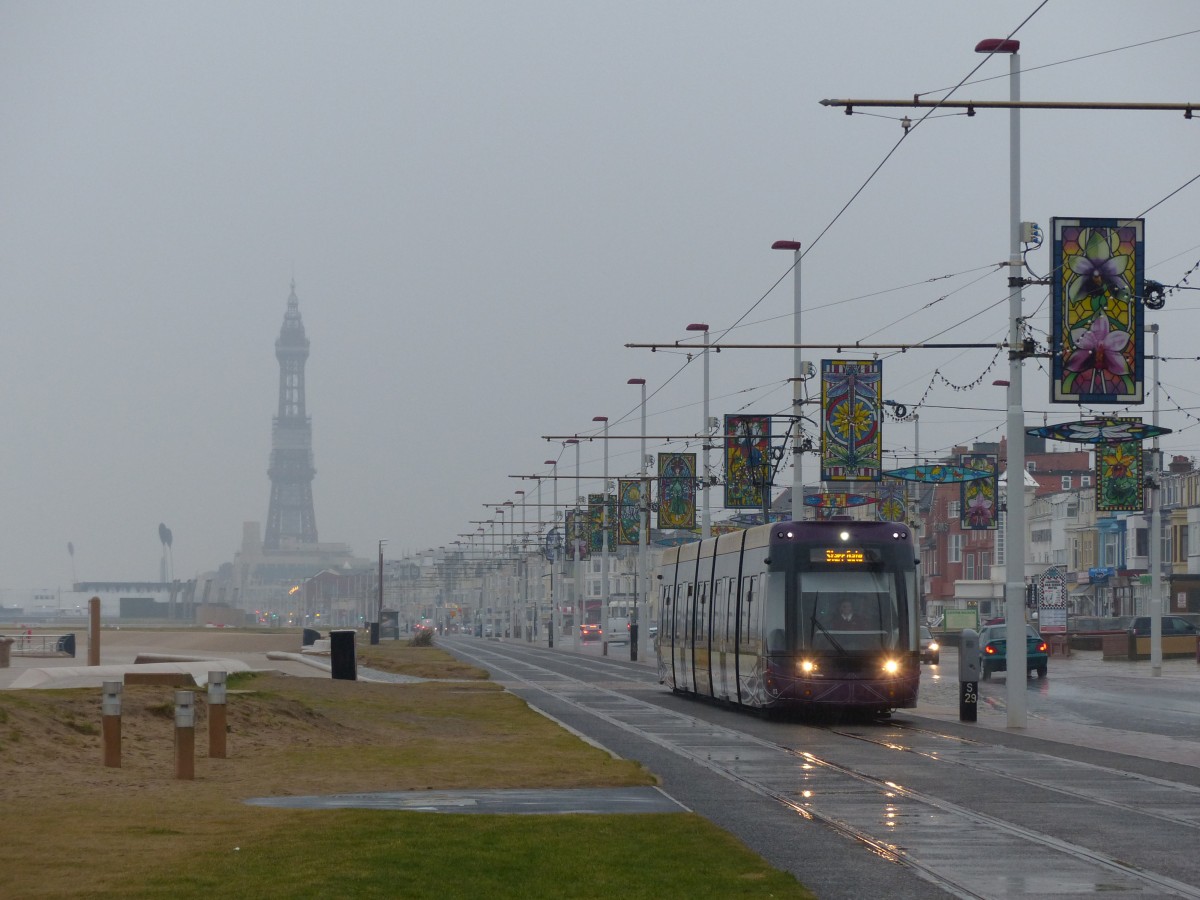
point(508, 802)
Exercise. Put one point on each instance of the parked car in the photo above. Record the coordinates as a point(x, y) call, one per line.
point(931, 650)
point(993, 640)
point(1170, 625)
point(589, 632)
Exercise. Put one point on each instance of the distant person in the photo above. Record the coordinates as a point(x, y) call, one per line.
point(848, 618)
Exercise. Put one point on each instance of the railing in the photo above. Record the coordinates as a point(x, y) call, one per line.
point(24, 644)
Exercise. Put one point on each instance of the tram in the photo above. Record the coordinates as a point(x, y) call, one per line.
point(794, 615)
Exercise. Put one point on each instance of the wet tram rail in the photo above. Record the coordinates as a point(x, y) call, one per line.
point(949, 814)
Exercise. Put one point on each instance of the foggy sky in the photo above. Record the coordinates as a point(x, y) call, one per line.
point(481, 204)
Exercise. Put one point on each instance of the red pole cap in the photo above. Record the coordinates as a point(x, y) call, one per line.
point(997, 45)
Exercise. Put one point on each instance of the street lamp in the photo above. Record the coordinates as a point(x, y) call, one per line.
point(639, 606)
point(797, 383)
point(555, 616)
point(379, 612)
point(522, 570)
point(1014, 523)
point(705, 519)
point(604, 534)
point(576, 621)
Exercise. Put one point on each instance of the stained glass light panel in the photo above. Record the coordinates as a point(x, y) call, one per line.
point(978, 498)
point(851, 419)
point(629, 501)
point(747, 460)
point(1097, 282)
point(677, 490)
point(1120, 478)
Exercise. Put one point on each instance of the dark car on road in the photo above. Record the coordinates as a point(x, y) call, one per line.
point(993, 642)
point(589, 632)
point(1140, 626)
point(931, 651)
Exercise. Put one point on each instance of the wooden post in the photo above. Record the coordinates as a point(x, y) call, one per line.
point(216, 715)
point(185, 735)
point(94, 631)
point(110, 724)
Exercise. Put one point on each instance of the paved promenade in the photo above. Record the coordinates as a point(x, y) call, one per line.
point(194, 652)
point(1080, 673)
point(200, 650)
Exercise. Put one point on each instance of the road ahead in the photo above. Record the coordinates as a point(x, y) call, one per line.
point(1088, 799)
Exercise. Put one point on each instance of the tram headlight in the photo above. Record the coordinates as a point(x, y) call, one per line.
point(891, 666)
point(808, 666)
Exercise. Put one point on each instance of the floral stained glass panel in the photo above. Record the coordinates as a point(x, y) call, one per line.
point(978, 498)
point(1120, 482)
point(1097, 284)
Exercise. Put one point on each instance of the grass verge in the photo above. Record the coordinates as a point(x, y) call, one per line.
point(75, 828)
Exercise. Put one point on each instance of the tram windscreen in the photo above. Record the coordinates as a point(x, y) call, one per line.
point(849, 611)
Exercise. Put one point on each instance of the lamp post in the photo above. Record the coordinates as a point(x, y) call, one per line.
point(555, 616)
point(379, 612)
point(1014, 530)
point(639, 604)
point(797, 383)
point(1155, 560)
point(523, 573)
point(575, 617)
point(509, 592)
point(501, 577)
point(604, 535)
point(705, 516)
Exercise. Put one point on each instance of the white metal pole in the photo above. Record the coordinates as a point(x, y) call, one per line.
point(643, 592)
point(1014, 571)
point(577, 617)
point(706, 519)
point(604, 541)
point(555, 564)
point(524, 575)
point(1156, 495)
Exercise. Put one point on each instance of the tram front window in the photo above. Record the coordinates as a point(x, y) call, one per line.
point(848, 612)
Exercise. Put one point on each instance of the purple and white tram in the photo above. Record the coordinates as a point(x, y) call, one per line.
point(803, 615)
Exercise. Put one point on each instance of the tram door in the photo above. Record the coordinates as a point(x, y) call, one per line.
point(722, 638)
point(682, 632)
point(749, 631)
point(663, 643)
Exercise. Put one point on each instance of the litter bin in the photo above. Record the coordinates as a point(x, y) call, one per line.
point(66, 644)
point(5, 652)
point(342, 663)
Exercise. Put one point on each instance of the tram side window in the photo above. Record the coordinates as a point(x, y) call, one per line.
point(751, 612)
point(702, 611)
point(728, 607)
point(774, 617)
point(686, 614)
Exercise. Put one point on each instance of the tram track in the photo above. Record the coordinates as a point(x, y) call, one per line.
point(901, 824)
point(1091, 796)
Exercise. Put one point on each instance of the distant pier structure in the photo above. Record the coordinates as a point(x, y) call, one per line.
point(290, 517)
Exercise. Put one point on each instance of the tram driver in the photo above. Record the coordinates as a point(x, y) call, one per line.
point(849, 618)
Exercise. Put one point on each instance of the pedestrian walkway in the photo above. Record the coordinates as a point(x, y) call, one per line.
point(1082, 670)
point(195, 652)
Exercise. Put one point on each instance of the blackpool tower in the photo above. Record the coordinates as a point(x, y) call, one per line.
point(290, 518)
